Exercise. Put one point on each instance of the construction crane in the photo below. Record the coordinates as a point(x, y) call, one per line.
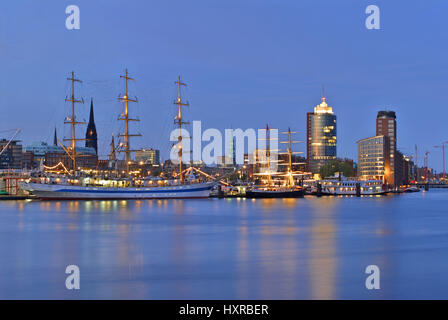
point(426, 166)
point(442, 146)
point(416, 156)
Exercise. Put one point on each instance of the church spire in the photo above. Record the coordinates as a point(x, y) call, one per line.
point(91, 135)
point(55, 139)
point(112, 155)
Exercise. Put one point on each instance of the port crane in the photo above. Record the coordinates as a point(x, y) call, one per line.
point(442, 146)
point(426, 166)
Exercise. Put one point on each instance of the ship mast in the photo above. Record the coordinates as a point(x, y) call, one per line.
point(268, 154)
point(290, 173)
point(125, 117)
point(179, 122)
point(72, 120)
point(289, 151)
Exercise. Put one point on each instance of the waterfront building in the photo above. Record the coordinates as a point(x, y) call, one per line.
point(86, 161)
point(386, 125)
point(231, 151)
point(11, 158)
point(50, 154)
point(224, 162)
point(40, 148)
point(374, 159)
point(399, 170)
point(409, 173)
point(27, 160)
point(91, 135)
point(321, 136)
point(148, 156)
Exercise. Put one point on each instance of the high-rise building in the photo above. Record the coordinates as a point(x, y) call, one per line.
point(27, 160)
point(374, 159)
point(321, 136)
point(386, 125)
point(11, 158)
point(91, 135)
point(231, 152)
point(147, 156)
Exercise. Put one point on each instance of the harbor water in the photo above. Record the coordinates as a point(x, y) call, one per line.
point(309, 248)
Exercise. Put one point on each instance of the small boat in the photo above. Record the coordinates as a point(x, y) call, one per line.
point(275, 193)
point(411, 189)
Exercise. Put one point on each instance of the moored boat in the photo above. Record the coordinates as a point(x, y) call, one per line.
point(275, 193)
point(72, 192)
point(347, 187)
point(411, 189)
point(74, 186)
point(288, 187)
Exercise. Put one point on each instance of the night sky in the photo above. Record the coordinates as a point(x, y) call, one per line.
point(247, 63)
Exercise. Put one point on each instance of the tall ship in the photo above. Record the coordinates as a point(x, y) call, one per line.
point(286, 186)
point(73, 186)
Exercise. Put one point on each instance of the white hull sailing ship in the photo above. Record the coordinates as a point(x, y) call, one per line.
point(70, 192)
point(178, 189)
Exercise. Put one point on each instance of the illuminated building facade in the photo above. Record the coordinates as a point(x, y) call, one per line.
point(321, 136)
point(386, 125)
point(11, 158)
point(374, 159)
point(147, 156)
point(86, 161)
point(40, 149)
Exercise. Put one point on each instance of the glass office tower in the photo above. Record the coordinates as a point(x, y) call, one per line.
point(321, 136)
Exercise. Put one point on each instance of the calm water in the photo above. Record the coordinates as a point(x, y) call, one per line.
point(312, 248)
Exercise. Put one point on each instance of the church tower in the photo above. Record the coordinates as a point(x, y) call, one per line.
point(55, 138)
point(112, 155)
point(91, 135)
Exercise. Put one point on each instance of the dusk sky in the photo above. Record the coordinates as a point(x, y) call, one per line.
point(247, 63)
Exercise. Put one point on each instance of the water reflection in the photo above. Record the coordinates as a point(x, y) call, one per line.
point(225, 248)
point(323, 262)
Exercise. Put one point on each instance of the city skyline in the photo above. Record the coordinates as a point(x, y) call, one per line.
point(216, 158)
point(363, 71)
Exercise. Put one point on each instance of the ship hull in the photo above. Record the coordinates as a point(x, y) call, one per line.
point(61, 192)
point(275, 194)
point(353, 193)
